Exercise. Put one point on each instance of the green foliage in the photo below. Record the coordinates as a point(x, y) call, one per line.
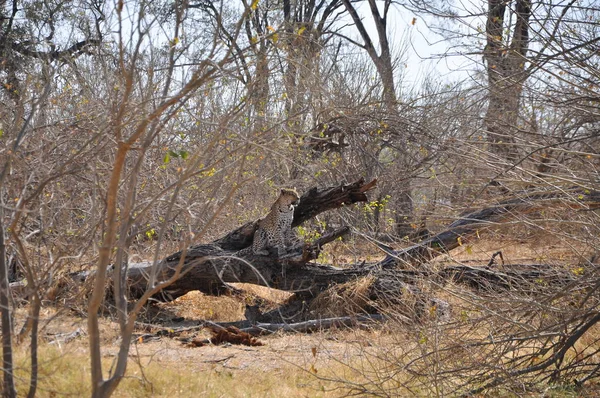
point(376, 205)
point(307, 234)
point(151, 234)
point(183, 154)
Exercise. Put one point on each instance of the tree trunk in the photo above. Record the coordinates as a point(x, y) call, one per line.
point(404, 215)
point(257, 31)
point(506, 74)
point(305, 23)
point(382, 61)
point(259, 88)
point(8, 385)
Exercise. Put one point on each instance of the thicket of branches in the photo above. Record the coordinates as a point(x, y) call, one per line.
point(130, 130)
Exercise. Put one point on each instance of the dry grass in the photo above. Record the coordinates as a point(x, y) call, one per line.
point(344, 299)
point(441, 359)
point(285, 366)
point(400, 360)
point(66, 373)
point(195, 305)
point(542, 248)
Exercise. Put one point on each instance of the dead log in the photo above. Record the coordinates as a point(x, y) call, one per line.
point(235, 333)
point(477, 221)
point(210, 267)
point(220, 335)
point(312, 203)
point(516, 277)
point(314, 324)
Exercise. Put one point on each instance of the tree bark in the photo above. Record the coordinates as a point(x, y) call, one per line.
point(257, 30)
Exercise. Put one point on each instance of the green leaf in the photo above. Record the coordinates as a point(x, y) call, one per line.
point(167, 158)
point(151, 233)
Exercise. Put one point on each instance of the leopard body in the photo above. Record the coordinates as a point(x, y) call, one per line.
point(275, 229)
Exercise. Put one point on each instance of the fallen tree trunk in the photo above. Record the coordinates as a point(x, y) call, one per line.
point(312, 203)
point(477, 221)
point(314, 324)
point(240, 335)
point(210, 267)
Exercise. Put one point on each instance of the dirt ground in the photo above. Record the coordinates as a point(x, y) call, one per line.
point(279, 350)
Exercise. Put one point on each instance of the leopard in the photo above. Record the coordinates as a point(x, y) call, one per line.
point(275, 229)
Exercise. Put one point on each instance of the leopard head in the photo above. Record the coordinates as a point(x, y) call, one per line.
point(289, 198)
